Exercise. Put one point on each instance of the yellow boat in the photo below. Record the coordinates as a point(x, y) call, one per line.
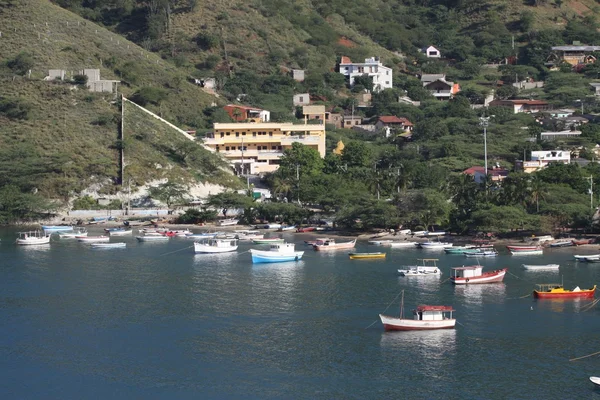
point(364, 256)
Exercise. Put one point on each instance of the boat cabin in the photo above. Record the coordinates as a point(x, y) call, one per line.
point(433, 313)
point(548, 287)
point(220, 242)
point(282, 247)
point(467, 272)
point(325, 242)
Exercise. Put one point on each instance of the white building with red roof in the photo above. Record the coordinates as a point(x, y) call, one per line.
point(392, 123)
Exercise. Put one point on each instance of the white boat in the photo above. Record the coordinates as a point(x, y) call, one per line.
point(287, 228)
point(540, 267)
point(119, 245)
point(404, 232)
point(536, 252)
point(424, 318)
point(474, 274)
point(248, 235)
point(403, 244)
point(419, 233)
point(435, 245)
point(278, 252)
point(485, 253)
point(562, 243)
point(152, 238)
point(215, 245)
point(227, 222)
point(93, 239)
point(542, 239)
point(381, 242)
point(587, 257)
point(331, 244)
point(33, 238)
point(428, 267)
point(120, 232)
point(271, 226)
point(73, 234)
point(595, 380)
point(437, 233)
point(199, 236)
point(56, 228)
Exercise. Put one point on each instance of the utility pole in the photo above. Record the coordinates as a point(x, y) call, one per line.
point(484, 122)
point(591, 191)
point(298, 182)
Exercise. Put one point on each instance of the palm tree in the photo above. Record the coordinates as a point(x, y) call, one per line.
point(537, 191)
point(282, 186)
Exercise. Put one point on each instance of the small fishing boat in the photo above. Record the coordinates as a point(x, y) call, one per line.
point(517, 248)
point(268, 240)
point(152, 238)
point(459, 249)
point(481, 253)
point(365, 256)
point(56, 228)
point(248, 235)
point(269, 226)
point(119, 245)
point(404, 232)
point(595, 380)
point(587, 257)
point(434, 233)
point(424, 318)
point(381, 242)
point(419, 233)
point(72, 234)
point(331, 244)
point(591, 259)
point(404, 243)
point(278, 252)
point(531, 251)
point(306, 229)
point(561, 243)
point(215, 245)
point(581, 242)
point(287, 228)
point(427, 267)
point(227, 222)
point(542, 238)
point(540, 267)
point(198, 236)
point(120, 232)
point(474, 274)
point(557, 291)
point(33, 238)
point(93, 239)
point(435, 245)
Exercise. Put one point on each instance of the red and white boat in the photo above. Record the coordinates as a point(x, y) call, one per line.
point(330, 244)
point(581, 242)
point(424, 318)
point(474, 274)
point(557, 291)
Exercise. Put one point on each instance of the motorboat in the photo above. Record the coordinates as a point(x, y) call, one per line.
point(120, 232)
point(228, 222)
point(152, 238)
point(56, 228)
point(561, 243)
point(93, 239)
point(425, 317)
point(434, 233)
point(270, 226)
point(525, 250)
point(306, 229)
point(278, 252)
point(404, 243)
point(542, 239)
point(581, 242)
point(287, 228)
point(587, 258)
point(33, 238)
point(557, 291)
point(595, 380)
point(365, 256)
point(381, 242)
point(199, 236)
point(404, 232)
point(119, 245)
point(215, 245)
point(428, 267)
point(435, 245)
point(542, 267)
point(72, 234)
point(248, 235)
point(482, 253)
point(474, 274)
point(331, 244)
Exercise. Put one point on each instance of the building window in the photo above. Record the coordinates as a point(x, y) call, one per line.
point(301, 99)
point(222, 134)
point(270, 133)
point(254, 134)
point(278, 147)
point(227, 134)
point(243, 133)
point(387, 82)
point(237, 134)
point(226, 148)
point(361, 70)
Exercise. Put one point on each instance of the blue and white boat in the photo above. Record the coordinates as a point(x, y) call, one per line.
point(56, 228)
point(278, 252)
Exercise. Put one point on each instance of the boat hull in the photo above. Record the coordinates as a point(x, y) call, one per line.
point(582, 294)
point(33, 241)
point(259, 256)
point(540, 267)
point(401, 324)
point(366, 256)
point(206, 249)
point(267, 241)
point(123, 232)
point(93, 239)
point(335, 246)
point(152, 238)
point(527, 252)
point(486, 277)
point(403, 244)
point(108, 245)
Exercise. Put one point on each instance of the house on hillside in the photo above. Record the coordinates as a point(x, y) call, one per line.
point(298, 75)
point(439, 87)
point(496, 173)
point(392, 124)
point(95, 84)
point(596, 88)
point(431, 52)
point(56, 74)
point(301, 99)
point(575, 54)
point(244, 113)
point(541, 159)
point(382, 75)
point(522, 106)
point(350, 121)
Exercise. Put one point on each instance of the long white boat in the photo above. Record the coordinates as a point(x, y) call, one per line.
point(427, 268)
point(384, 242)
point(120, 232)
point(331, 244)
point(152, 238)
point(215, 245)
point(536, 252)
point(438, 233)
point(33, 238)
point(228, 222)
point(93, 239)
point(483, 253)
point(73, 234)
point(540, 267)
point(587, 257)
point(435, 245)
point(405, 243)
point(278, 252)
point(56, 228)
point(424, 318)
point(120, 245)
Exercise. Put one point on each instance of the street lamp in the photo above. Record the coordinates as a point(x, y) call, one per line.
point(485, 121)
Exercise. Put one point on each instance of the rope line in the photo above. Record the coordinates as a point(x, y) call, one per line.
point(589, 306)
point(392, 302)
point(185, 248)
point(589, 355)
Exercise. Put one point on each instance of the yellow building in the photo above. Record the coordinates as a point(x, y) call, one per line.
point(255, 148)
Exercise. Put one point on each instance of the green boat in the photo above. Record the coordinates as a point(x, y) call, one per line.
point(459, 250)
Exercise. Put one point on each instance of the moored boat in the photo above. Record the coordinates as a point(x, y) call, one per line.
point(278, 252)
point(537, 252)
point(557, 291)
point(331, 244)
point(56, 228)
point(33, 238)
point(287, 228)
point(227, 222)
point(152, 238)
point(595, 380)
point(120, 232)
point(119, 245)
point(404, 243)
point(72, 234)
point(428, 267)
point(93, 239)
point(435, 245)
point(215, 245)
point(561, 243)
point(581, 242)
point(515, 248)
point(267, 240)
point(364, 256)
point(474, 274)
point(587, 257)
point(425, 317)
point(306, 229)
point(381, 242)
point(481, 253)
point(544, 267)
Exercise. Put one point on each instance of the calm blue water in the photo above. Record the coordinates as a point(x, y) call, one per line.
point(136, 323)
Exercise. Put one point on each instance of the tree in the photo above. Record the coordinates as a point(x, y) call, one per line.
point(300, 160)
point(503, 219)
point(148, 95)
point(537, 191)
point(356, 154)
point(21, 64)
point(229, 200)
point(168, 193)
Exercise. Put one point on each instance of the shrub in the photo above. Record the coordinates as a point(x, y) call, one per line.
point(22, 63)
point(206, 41)
point(80, 79)
point(14, 108)
point(194, 216)
point(149, 95)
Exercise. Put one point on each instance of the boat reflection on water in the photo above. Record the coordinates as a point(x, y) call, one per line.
point(214, 259)
point(476, 294)
point(277, 286)
point(561, 305)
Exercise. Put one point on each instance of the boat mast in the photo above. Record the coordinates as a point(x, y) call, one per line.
point(402, 305)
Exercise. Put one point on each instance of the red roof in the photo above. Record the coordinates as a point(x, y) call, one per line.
point(494, 171)
point(473, 170)
point(434, 308)
point(242, 107)
point(530, 102)
point(346, 60)
point(392, 119)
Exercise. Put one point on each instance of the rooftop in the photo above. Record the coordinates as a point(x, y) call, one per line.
point(392, 119)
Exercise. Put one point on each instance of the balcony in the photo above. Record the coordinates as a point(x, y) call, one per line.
point(288, 140)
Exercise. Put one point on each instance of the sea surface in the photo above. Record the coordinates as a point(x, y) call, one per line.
point(155, 321)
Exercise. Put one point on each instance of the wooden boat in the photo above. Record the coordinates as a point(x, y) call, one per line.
point(405, 243)
point(56, 228)
point(278, 252)
point(199, 236)
point(537, 252)
point(306, 229)
point(595, 380)
point(269, 226)
point(516, 248)
point(432, 234)
point(331, 244)
point(72, 234)
point(435, 245)
point(428, 267)
point(424, 318)
point(557, 291)
point(419, 233)
point(364, 256)
point(33, 238)
point(215, 245)
point(119, 245)
point(581, 242)
point(152, 238)
point(268, 240)
point(93, 239)
point(540, 267)
point(227, 222)
point(587, 257)
point(381, 242)
point(120, 232)
point(561, 243)
point(484, 253)
point(287, 228)
point(542, 238)
point(404, 232)
point(474, 274)
point(248, 235)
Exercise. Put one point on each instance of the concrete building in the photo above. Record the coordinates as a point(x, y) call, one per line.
point(244, 113)
point(574, 55)
point(431, 52)
point(439, 87)
point(95, 84)
point(522, 106)
point(541, 159)
point(55, 74)
point(256, 147)
point(298, 75)
point(382, 75)
point(301, 99)
point(496, 173)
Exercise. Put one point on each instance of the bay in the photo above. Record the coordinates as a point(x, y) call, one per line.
point(156, 321)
